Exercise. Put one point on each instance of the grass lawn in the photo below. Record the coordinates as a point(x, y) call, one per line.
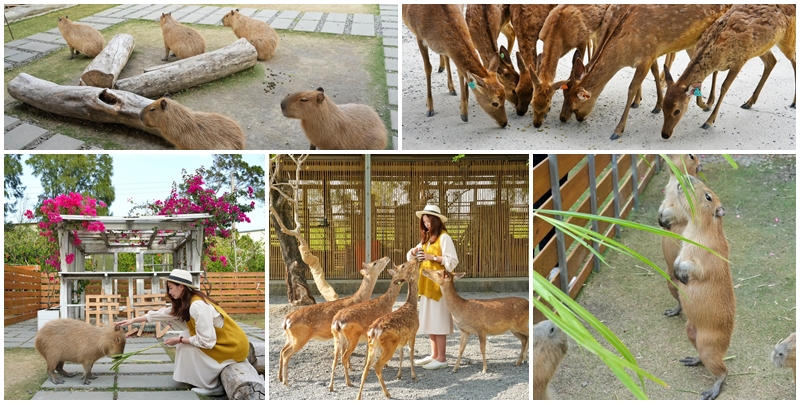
point(46, 22)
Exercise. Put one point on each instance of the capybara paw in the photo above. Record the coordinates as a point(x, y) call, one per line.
point(673, 312)
point(690, 361)
point(710, 394)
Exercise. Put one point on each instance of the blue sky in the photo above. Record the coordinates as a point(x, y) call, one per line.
point(148, 177)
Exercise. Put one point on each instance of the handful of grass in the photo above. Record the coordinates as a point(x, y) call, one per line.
point(119, 358)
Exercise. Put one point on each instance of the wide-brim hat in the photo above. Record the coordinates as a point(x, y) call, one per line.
point(181, 277)
point(432, 210)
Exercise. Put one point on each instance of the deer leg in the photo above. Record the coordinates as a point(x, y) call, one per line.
point(450, 85)
point(463, 83)
point(386, 354)
point(659, 94)
point(734, 70)
point(400, 365)
point(524, 340)
point(411, 356)
point(336, 352)
point(769, 63)
point(464, 338)
point(482, 340)
point(442, 63)
point(292, 347)
point(426, 63)
point(636, 84)
point(348, 352)
point(370, 353)
point(706, 105)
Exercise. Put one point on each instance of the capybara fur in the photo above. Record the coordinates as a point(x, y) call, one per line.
point(69, 340)
point(709, 303)
point(335, 127)
point(183, 41)
point(192, 130)
point(783, 354)
point(258, 33)
point(675, 220)
point(80, 38)
point(549, 348)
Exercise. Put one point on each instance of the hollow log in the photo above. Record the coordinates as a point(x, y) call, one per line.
point(105, 67)
point(241, 382)
point(192, 71)
point(82, 102)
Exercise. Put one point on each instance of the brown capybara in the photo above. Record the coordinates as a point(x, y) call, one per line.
point(258, 33)
point(69, 340)
point(783, 354)
point(675, 220)
point(549, 348)
point(709, 303)
point(335, 127)
point(80, 38)
point(192, 130)
point(183, 41)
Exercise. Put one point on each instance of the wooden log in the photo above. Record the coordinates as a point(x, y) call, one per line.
point(192, 71)
point(241, 382)
point(81, 102)
point(256, 357)
point(105, 67)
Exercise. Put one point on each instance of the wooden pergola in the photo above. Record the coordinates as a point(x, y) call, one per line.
point(181, 236)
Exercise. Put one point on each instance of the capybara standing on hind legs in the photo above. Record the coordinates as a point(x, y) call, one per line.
point(335, 127)
point(549, 348)
point(183, 41)
point(80, 38)
point(76, 341)
point(258, 33)
point(783, 354)
point(675, 220)
point(710, 303)
point(192, 130)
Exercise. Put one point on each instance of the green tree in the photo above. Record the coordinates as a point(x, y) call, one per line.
point(13, 190)
point(64, 173)
point(22, 245)
point(218, 177)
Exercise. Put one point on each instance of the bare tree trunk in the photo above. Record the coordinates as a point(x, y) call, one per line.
point(105, 67)
point(241, 382)
point(296, 286)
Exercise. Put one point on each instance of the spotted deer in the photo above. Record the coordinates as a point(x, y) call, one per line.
point(527, 20)
point(485, 23)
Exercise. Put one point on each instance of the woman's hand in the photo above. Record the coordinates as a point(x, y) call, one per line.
point(429, 257)
point(414, 251)
point(125, 322)
point(172, 341)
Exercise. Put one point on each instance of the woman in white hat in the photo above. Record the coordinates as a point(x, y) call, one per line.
point(211, 341)
point(436, 251)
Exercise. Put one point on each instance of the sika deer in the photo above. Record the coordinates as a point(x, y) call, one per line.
point(393, 331)
point(485, 23)
point(314, 322)
point(744, 32)
point(527, 20)
point(350, 325)
point(678, 26)
point(483, 317)
point(442, 28)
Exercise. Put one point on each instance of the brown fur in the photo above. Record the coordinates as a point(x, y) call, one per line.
point(744, 32)
point(393, 331)
point(258, 33)
point(675, 220)
point(80, 38)
point(549, 348)
point(350, 325)
point(183, 41)
point(314, 322)
point(709, 302)
point(483, 316)
point(442, 28)
point(335, 127)
point(76, 341)
point(485, 23)
point(192, 130)
point(783, 354)
point(528, 20)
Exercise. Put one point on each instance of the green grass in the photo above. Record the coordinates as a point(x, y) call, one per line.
point(46, 22)
point(24, 372)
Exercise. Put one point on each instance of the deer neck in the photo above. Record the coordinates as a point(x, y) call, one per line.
point(365, 290)
point(411, 299)
point(454, 301)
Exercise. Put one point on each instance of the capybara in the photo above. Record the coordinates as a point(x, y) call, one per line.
point(675, 220)
point(183, 41)
point(76, 341)
point(80, 38)
point(258, 33)
point(192, 130)
point(335, 127)
point(710, 303)
point(783, 354)
point(549, 348)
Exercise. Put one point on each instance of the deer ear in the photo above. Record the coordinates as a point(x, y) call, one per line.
point(667, 76)
point(495, 63)
point(584, 95)
point(458, 276)
point(521, 63)
point(693, 89)
point(578, 69)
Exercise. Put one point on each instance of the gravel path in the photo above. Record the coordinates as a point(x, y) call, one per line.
point(310, 369)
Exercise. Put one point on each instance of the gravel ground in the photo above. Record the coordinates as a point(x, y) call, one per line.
point(310, 369)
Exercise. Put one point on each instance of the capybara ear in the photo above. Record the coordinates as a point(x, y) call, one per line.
point(320, 89)
point(167, 95)
point(720, 211)
point(320, 96)
point(163, 103)
point(236, 10)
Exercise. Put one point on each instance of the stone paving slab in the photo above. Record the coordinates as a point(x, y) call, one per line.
point(390, 52)
point(10, 51)
point(149, 382)
point(392, 96)
point(391, 64)
point(363, 19)
point(192, 18)
point(149, 358)
point(363, 29)
point(312, 15)
point(20, 57)
point(391, 79)
point(128, 368)
point(289, 14)
point(265, 14)
point(389, 41)
point(97, 368)
point(282, 23)
point(17, 42)
point(390, 32)
point(394, 119)
point(331, 27)
point(40, 47)
point(157, 395)
point(102, 382)
point(60, 142)
point(336, 17)
point(306, 26)
point(8, 121)
point(73, 395)
point(45, 37)
point(21, 136)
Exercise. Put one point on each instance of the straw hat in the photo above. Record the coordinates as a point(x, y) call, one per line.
point(181, 277)
point(432, 210)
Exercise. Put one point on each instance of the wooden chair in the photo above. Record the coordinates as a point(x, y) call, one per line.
point(102, 308)
point(141, 304)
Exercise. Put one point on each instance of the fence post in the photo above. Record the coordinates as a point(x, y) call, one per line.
point(367, 207)
point(635, 182)
point(555, 189)
point(615, 183)
point(593, 203)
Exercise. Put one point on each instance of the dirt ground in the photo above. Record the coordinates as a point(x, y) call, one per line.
point(760, 225)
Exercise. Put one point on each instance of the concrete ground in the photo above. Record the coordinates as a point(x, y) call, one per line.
point(769, 125)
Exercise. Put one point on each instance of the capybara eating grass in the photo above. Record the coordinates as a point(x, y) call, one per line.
point(80, 38)
point(258, 33)
point(183, 41)
point(783, 354)
point(75, 341)
point(192, 130)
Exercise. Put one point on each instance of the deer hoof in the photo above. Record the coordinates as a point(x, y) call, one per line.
point(656, 110)
point(429, 113)
point(745, 106)
point(705, 126)
point(614, 136)
point(453, 92)
point(464, 118)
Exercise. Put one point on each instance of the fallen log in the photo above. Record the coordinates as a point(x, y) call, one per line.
point(81, 102)
point(256, 357)
point(192, 71)
point(241, 382)
point(105, 67)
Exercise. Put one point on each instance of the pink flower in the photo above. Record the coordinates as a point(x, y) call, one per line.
point(223, 260)
point(96, 226)
point(70, 258)
point(29, 214)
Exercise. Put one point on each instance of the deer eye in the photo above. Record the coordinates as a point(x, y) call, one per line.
point(676, 112)
point(494, 104)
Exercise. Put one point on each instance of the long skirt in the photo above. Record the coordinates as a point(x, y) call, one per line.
point(434, 317)
point(193, 366)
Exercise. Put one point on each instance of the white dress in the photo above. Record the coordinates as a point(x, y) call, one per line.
point(434, 317)
point(193, 366)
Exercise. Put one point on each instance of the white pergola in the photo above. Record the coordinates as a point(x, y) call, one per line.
point(181, 236)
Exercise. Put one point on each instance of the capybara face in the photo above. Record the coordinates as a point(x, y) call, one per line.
point(784, 353)
point(151, 114)
point(297, 105)
point(227, 20)
point(706, 201)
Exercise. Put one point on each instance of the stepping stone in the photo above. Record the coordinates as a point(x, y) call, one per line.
point(390, 52)
point(389, 41)
point(17, 43)
point(212, 19)
point(76, 383)
point(39, 47)
point(389, 12)
point(9, 51)
point(73, 395)
point(157, 395)
point(148, 368)
point(363, 19)
point(20, 57)
point(61, 142)
point(391, 64)
point(265, 14)
point(289, 14)
point(392, 96)
point(332, 27)
point(394, 119)
point(141, 13)
point(282, 23)
point(22, 136)
point(306, 25)
point(189, 9)
point(336, 17)
point(362, 29)
point(389, 18)
point(390, 32)
point(388, 7)
point(45, 37)
point(312, 16)
point(149, 382)
point(8, 121)
point(391, 79)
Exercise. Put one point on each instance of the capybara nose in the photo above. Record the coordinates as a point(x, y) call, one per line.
point(283, 105)
point(665, 135)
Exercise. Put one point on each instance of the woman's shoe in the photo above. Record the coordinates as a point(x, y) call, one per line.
point(434, 364)
point(424, 361)
point(209, 392)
